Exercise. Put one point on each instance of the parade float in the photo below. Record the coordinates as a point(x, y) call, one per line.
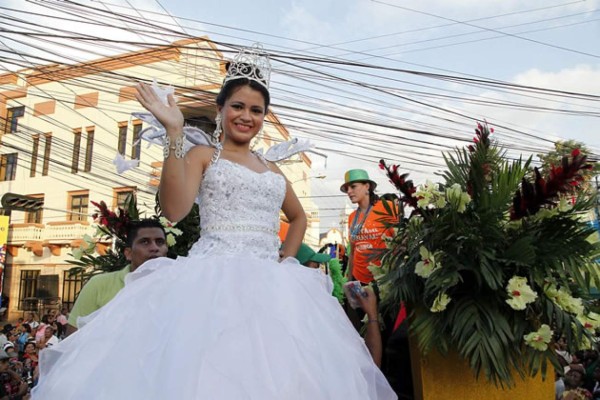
point(493, 264)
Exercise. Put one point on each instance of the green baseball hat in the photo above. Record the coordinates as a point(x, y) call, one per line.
point(305, 254)
point(356, 175)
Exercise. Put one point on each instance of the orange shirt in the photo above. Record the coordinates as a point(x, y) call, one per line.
point(367, 239)
point(283, 230)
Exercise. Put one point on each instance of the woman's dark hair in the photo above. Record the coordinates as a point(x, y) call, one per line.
point(231, 86)
point(27, 328)
point(373, 198)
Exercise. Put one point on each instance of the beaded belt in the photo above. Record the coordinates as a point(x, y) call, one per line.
point(239, 228)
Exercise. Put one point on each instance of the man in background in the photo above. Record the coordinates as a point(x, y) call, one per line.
point(146, 240)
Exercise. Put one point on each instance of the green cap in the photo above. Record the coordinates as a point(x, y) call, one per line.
point(356, 175)
point(306, 254)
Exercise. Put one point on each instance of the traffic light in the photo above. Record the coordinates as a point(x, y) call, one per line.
point(19, 202)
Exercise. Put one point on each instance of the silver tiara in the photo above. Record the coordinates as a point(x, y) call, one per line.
point(250, 63)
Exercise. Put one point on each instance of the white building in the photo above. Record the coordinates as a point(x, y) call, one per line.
point(62, 127)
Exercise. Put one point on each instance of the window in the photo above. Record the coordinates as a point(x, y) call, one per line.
point(136, 147)
point(120, 196)
point(78, 206)
point(35, 217)
point(12, 118)
point(89, 149)
point(122, 138)
point(72, 284)
point(76, 148)
point(34, 155)
point(28, 290)
point(47, 147)
point(8, 166)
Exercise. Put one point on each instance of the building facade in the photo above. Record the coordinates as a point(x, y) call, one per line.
point(61, 128)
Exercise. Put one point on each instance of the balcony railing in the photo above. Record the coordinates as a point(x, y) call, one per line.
point(53, 232)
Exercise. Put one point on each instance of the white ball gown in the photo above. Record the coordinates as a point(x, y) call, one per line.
point(228, 322)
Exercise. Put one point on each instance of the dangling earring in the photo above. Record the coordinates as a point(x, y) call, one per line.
point(257, 139)
point(217, 132)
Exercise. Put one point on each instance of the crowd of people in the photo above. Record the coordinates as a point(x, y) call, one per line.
point(580, 377)
point(21, 345)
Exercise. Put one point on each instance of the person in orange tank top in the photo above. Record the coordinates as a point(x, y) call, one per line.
point(366, 225)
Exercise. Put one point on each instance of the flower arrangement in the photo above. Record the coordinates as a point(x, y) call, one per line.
point(494, 262)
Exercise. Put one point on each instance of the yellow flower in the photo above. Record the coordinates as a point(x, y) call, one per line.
point(574, 305)
point(427, 265)
point(457, 197)
point(440, 303)
point(171, 240)
point(564, 205)
point(170, 230)
point(564, 300)
point(539, 340)
point(590, 322)
point(428, 195)
point(520, 293)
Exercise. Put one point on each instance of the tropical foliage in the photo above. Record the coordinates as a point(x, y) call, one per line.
point(491, 265)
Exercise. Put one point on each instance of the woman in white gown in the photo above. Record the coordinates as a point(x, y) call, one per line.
point(231, 321)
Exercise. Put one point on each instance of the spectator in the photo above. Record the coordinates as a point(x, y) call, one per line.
point(594, 385)
point(4, 334)
point(11, 385)
point(49, 338)
point(574, 378)
point(30, 353)
point(9, 348)
point(62, 317)
point(32, 320)
point(39, 333)
point(24, 336)
point(145, 240)
point(309, 258)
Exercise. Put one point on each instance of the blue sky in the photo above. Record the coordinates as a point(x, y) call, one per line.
point(552, 45)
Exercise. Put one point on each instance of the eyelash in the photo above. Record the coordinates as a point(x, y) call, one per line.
point(254, 110)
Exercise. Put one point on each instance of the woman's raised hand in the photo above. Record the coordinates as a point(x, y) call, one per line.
point(169, 116)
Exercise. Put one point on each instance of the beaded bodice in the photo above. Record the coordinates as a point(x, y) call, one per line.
point(239, 211)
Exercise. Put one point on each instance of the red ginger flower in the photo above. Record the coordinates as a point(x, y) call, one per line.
point(404, 186)
point(531, 197)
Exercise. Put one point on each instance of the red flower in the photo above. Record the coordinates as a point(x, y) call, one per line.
point(575, 152)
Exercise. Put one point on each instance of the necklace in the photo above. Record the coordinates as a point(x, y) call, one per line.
point(357, 226)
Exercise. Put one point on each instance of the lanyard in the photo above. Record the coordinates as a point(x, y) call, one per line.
point(356, 228)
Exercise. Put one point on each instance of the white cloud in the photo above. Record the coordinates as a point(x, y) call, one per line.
point(301, 24)
point(582, 78)
point(50, 18)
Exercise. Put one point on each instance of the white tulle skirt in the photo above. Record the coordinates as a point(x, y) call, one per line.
point(215, 328)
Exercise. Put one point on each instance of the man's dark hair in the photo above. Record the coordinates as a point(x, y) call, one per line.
point(135, 226)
